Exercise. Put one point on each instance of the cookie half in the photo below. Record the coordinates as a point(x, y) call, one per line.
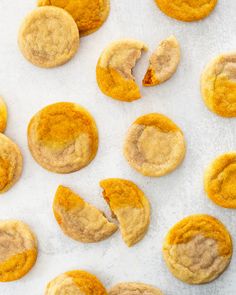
point(3, 115)
point(134, 289)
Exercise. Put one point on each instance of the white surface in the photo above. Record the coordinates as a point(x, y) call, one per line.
point(27, 89)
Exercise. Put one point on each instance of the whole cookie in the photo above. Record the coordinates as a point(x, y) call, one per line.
point(218, 85)
point(154, 145)
point(187, 10)
point(198, 249)
point(89, 15)
point(220, 180)
point(18, 250)
point(76, 282)
point(63, 137)
point(48, 37)
point(3, 115)
point(11, 163)
point(134, 289)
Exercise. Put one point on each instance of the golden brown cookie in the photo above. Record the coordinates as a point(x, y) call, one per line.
point(130, 206)
point(220, 180)
point(3, 115)
point(187, 10)
point(114, 69)
point(163, 62)
point(75, 282)
point(80, 220)
point(89, 15)
point(48, 37)
point(134, 289)
point(11, 163)
point(63, 137)
point(18, 250)
point(154, 145)
point(198, 249)
point(218, 85)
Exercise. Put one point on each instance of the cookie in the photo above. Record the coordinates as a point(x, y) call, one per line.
point(134, 289)
point(11, 163)
point(18, 250)
point(80, 220)
point(163, 62)
point(63, 137)
point(154, 145)
point(218, 85)
point(76, 282)
point(114, 69)
point(220, 180)
point(188, 11)
point(198, 249)
point(130, 206)
point(3, 115)
point(48, 37)
point(89, 15)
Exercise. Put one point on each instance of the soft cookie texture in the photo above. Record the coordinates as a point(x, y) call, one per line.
point(3, 115)
point(48, 37)
point(218, 85)
point(89, 15)
point(198, 249)
point(220, 180)
point(187, 10)
point(154, 145)
point(63, 137)
point(163, 62)
point(80, 220)
point(114, 69)
point(75, 282)
point(130, 206)
point(134, 289)
point(18, 250)
point(11, 163)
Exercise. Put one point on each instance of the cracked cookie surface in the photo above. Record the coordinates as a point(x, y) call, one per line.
point(114, 69)
point(75, 282)
point(48, 37)
point(134, 289)
point(3, 115)
point(80, 220)
point(130, 206)
point(154, 145)
point(220, 180)
point(218, 85)
point(89, 15)
point(198, 249)
point(63, 137)
point(187, 10)
point(18, 250)
point(11, 163)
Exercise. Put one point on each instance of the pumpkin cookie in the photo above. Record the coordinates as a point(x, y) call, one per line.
point(3, 115)
point(18, 250)
point(114, 69)
point(187, 10)
point(134, 289)
point(163, 63)
point(218, 85)
point(154, 145)
point(89, 15)
point(198, 249)
point(48, 37)
point(220, 180)
point(130, 206)
point(63, 137)
point(80, 220)
point(76, 282)
point(11, 163)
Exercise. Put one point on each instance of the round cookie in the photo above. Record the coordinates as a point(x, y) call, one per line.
point(218, 85)
point(76, 282)
point(220, 180)
point(63, 137)
point(89, 15)
point(11, 163)
point(154, 145)
point(187, 10)
point(3, 115)
point(18, 250)
point(114, 69)
point(198, 249)
point(134, 289)
point(48, 37)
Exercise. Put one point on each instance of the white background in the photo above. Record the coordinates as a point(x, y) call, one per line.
point(27, 89)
